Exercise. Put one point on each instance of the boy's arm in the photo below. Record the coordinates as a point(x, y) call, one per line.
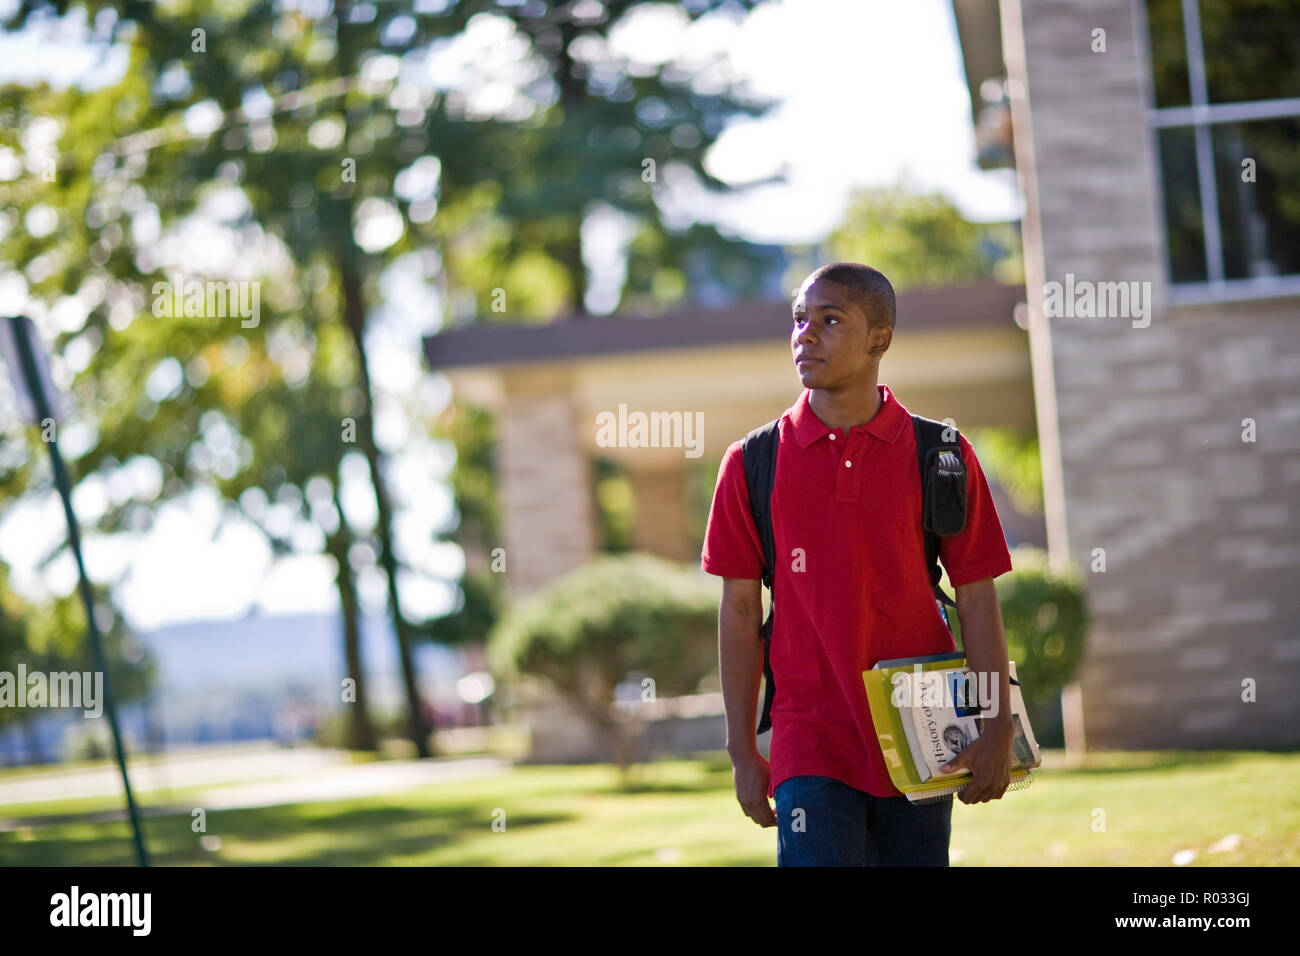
point(740, 661)
point(733, 552)
point(740, 667)
point(989, 758)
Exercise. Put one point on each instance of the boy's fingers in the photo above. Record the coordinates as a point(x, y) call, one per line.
point(959, 762)
point(762, 814)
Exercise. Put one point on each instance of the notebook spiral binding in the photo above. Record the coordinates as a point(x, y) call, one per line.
point(934, 796)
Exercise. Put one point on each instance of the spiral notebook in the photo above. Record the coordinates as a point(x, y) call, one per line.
point(947, 725)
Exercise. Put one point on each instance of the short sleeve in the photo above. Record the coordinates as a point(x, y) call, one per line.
point(731, 544)
point(980, 550)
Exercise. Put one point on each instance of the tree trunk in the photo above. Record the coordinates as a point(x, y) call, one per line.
point(361, 732)
point(572, 89)
point(570, 256)
point(354, 313)
point(624, 736)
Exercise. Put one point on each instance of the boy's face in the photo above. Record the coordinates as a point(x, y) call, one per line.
point(830, 340)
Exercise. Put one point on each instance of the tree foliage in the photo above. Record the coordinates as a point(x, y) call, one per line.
point(922, 239)
point(1012, 459)
point(288, 132)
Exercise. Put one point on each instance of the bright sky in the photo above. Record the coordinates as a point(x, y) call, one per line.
point(872, 94)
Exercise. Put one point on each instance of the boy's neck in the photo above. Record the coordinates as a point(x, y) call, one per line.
point(842, 408)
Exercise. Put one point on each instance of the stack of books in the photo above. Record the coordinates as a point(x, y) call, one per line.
point(925, 713)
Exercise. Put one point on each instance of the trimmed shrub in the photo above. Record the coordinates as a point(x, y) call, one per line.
point(587, 631)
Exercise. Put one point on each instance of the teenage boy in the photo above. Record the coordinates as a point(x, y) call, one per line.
point(850, 589)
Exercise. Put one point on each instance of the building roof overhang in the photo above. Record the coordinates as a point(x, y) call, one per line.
point(983, 305)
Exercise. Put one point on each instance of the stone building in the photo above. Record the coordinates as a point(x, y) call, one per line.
point(1156, 143)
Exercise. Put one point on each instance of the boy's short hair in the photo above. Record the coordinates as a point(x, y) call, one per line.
point(868, 288)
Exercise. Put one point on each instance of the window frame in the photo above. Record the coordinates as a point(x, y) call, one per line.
point(1199, 117)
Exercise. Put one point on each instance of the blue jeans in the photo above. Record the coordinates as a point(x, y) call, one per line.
point(841, 826)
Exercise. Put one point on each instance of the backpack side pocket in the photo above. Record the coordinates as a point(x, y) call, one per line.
point(945, 474)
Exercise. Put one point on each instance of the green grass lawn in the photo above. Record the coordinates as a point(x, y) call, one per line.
point(684, 812)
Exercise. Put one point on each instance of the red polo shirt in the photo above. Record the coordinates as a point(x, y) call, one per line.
point(849, 508)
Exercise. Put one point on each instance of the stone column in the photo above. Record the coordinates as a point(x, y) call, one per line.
point(545, 481)
point(661, 512)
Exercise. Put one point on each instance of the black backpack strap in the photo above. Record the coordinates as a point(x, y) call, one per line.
point(759, 450)
point(938, 471)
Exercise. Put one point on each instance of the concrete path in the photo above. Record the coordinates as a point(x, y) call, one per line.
point(257, 775)
point(356, 780)
point(185, 768)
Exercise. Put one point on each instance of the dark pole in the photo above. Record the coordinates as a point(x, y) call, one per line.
point(37, 391)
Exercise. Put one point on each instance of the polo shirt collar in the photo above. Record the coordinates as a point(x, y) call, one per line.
point(887, 425)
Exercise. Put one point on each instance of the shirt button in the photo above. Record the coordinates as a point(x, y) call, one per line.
point(832, 436)
point(848, 464)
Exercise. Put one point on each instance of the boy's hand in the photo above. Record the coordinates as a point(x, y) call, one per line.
point(989, 761)
point(753, 773)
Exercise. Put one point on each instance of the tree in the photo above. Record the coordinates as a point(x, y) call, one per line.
point(253, 412)
point(921, 240)
point(612, 133)
point(211, 67)
point(622, 616)
point(334, 163)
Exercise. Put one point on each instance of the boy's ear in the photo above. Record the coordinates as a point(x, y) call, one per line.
point(881, 337)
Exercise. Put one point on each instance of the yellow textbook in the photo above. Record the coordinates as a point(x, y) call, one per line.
point(912, 771)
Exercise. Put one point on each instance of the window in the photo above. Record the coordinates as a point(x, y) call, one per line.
point(1225, 78)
